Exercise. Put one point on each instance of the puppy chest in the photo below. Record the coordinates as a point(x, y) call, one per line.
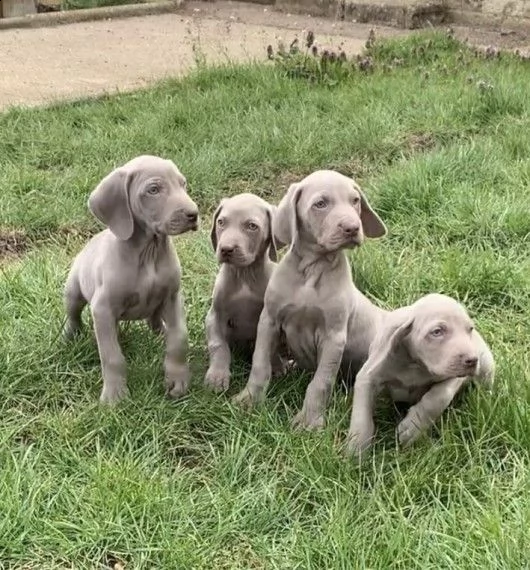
point(147, 296)
point(305, 329)
point(241, 315)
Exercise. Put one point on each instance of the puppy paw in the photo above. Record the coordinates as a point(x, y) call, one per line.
point(408, 430)
point(157, 326)
point(217, 380)
point(245, 400)
point(282, 368)
point(111, 395)
point(310, 421)
point(353, 448)
point(360, 437)
point(71, 330)
point(177, 382)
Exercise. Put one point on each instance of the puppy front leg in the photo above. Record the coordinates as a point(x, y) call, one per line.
point(362, 427)
point(218, 375)
point(312, 414)
point(112, 360)
point(431, 406)
point(175, 364)
point(267, 338)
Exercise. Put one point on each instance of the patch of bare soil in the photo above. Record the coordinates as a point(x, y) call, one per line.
point(12, 244)
point(420, 142)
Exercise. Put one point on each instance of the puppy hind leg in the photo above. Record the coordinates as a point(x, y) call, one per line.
point(74, 305)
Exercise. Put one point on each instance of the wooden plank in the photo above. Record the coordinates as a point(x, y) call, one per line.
point(12, 8)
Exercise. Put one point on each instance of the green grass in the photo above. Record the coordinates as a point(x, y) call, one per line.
point(196, 483)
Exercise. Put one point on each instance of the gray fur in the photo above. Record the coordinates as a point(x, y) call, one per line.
point(130, 270)
point(330, 326)
point(242, 238)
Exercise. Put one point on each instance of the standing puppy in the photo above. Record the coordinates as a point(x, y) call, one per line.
point(242, 239)
point(130, 271)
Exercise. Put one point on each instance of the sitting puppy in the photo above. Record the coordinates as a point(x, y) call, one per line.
point(311, 297)
point(422, 355)
point(130, 271)
point(242, 240)
point(330, 325)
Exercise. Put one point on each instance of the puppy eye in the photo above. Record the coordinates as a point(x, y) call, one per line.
point(471, 329)
point(356, 200)
point(320, 204)
point(252, 226)
point(437, 332)
point(220, 222)
point(153, 189)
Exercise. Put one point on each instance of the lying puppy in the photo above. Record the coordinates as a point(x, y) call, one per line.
point(242, 240)
point(422, 355)
point(130, 271)
point(311, 297)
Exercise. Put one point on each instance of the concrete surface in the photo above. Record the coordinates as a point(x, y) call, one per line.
point(89, 58)
point(58, 17)
point(10, 8)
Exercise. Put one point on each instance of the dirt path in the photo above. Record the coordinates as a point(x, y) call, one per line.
point(76, 60)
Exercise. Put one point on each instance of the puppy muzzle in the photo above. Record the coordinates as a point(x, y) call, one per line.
point(181, 222)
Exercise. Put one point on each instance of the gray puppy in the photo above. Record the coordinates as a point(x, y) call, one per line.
point(130, 270)
point(311, 297)
point(242, 239)
point(422, 354)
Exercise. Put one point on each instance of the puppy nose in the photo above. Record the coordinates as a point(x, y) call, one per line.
point(227, 250)
point(349, 228)
point(471, 362)
point(192, 216)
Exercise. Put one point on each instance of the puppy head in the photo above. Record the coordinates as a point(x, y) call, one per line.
point(442, 337)
point(241, 230)
point(149, 192)
point(327, 210)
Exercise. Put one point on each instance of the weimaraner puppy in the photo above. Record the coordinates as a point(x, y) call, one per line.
point(242, 239)
point(311, 297)
point(331, 325)
point(130, 270)
point(421, 354)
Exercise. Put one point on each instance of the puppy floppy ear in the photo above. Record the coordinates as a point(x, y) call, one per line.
point(109, 202)
point(271, 212)
point(390, 338)
point(213, 231)
point(285, 221)
point(373, 226)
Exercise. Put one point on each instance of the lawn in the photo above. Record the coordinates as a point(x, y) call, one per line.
point(441, 145)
